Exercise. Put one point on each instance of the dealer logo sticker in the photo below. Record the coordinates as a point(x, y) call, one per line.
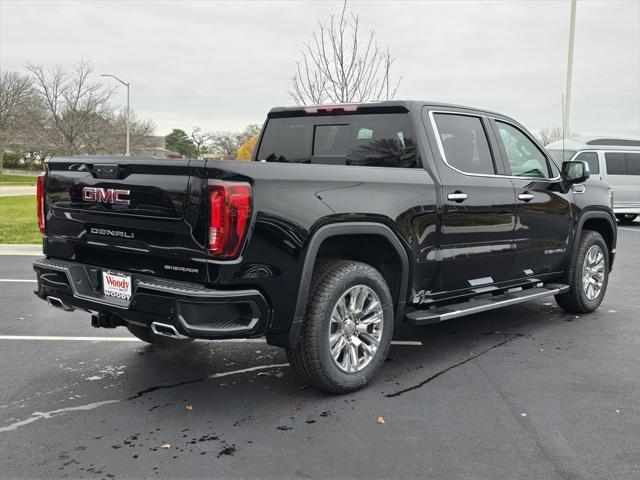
point(115, 285)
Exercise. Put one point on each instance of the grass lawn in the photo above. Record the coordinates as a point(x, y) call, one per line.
point(17, 180)
point(18, 220)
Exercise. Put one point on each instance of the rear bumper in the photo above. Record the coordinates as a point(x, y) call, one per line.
point(195, 311)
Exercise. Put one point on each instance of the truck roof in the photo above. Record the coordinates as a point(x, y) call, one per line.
point(387, 105)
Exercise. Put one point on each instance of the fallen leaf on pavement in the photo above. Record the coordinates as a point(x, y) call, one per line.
point(523, 414)
point(165, 445)
point(189, 407)
point(380, 420)
point(297, 406)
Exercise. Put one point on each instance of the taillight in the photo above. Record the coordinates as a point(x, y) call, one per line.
point(40, 202)
point(229, 217)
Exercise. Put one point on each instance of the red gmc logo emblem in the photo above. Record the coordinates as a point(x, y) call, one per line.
point(113, 196)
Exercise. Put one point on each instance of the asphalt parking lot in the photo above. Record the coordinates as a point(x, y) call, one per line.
point(524, 392)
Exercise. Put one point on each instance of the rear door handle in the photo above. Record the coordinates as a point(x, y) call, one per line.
point(457, 196)
point(526, 196)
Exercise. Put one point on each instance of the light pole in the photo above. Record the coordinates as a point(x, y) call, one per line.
point(128, 153)
point(566, 127)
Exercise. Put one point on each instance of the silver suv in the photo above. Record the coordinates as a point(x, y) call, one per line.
point(615, 161)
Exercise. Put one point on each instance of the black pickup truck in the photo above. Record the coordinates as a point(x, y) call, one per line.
point(351, 219)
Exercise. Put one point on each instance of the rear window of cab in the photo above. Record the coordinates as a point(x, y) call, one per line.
point(359, 140)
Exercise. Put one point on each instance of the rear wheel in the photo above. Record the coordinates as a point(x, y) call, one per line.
point(347, 328)
point(590, 275)
point(146, 335)
point(626, 218)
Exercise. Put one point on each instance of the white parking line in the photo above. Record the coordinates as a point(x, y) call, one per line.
point(18, 280)
point(133, 339)
point(78, 339)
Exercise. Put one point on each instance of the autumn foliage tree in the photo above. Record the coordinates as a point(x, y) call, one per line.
point(245, 152)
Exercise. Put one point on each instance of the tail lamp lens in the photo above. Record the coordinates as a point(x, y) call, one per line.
point(229, 216)
point(40, 202)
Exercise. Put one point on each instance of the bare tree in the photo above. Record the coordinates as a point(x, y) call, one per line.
point(549, 135)
point(76, 105)
point(339, 65)
point(15, 98)
point(225, 144)
point(250, 130)
point(141, 131)
point(200, 140)
point(108, 133)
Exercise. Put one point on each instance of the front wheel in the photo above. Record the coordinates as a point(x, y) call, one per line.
point(626, 218)
point(347, 328)
point(590, 275)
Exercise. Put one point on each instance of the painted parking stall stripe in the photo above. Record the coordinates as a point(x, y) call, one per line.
point(57, 338)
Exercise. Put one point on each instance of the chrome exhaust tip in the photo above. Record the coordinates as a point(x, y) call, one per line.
point(57, 303)
point(166, 330)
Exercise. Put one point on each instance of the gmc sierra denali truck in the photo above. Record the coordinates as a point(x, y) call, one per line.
point(349, 220)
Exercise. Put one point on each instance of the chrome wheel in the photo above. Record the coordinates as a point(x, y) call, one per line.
point(593, 272)
point(355, 329)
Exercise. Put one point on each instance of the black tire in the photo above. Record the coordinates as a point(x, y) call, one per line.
point(146, 335)
point(626, 218)
point(575, 299)
point(312, 359)
point(298, 368)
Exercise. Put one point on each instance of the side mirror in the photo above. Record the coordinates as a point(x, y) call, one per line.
point(575, 171)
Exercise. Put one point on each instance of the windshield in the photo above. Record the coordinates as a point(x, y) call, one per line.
point(559, 157)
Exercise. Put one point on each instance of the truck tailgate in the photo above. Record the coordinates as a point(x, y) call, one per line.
point(137, 215)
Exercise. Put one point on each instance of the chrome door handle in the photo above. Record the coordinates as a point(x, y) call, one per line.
point(526, 196)
point(457, 196)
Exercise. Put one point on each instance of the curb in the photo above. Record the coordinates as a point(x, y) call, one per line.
point(21, 249)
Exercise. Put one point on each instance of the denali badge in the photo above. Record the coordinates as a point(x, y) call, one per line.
point(111, 233)
point(105, 195)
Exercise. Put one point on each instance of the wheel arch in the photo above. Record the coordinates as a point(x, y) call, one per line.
point(320, 246)
point(600, 222)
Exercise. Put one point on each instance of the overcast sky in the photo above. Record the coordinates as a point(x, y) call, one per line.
point(222, 65)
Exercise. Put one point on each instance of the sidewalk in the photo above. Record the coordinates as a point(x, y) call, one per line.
point(21, 249)
point(15, 190)
point(22, 173)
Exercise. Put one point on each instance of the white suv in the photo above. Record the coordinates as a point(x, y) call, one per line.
point(612, 160)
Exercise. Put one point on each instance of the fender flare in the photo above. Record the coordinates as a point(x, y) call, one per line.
point(583, 218)
point(290, 339)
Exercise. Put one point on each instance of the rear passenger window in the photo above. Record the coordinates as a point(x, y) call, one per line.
point(380, 140)
point(464, 142)
point(622, 163)
point(592, 159)
point(525, 159)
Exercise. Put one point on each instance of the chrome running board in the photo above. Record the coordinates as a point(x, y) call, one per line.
point(469, 307)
